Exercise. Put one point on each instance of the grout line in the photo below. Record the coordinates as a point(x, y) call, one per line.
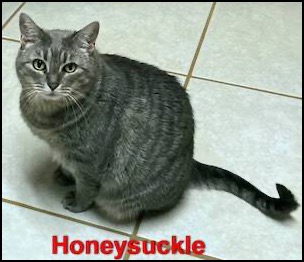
point(134, 234)
point(12, 16)
point(198, 49)
point(86, 223)
point(238, 85)
point(248, 87)
point(205, 257)
point(10, 39)
point(175, 73)
point(138, 222)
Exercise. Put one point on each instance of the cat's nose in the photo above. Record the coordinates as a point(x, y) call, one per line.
point(53, 85)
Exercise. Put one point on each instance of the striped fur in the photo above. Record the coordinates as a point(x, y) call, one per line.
point(122, 130)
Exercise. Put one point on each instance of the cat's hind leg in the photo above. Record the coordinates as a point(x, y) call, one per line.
point(117, 213)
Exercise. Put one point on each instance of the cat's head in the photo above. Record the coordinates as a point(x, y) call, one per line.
point(55, 66)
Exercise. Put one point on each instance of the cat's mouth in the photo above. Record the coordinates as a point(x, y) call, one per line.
point(51, 95)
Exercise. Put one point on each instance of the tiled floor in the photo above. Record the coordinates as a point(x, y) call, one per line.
point(246, 92)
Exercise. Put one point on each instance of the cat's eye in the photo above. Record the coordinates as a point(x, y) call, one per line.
point(70, 68)
point(39, 64)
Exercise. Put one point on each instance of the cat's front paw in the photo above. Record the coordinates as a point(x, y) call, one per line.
point(70, 203)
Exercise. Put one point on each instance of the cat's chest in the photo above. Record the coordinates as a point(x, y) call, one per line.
point(49, 136)
point(53, 140)
point(60, 158)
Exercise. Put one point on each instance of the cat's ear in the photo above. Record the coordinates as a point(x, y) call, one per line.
point(30, 32)
point(86, 37)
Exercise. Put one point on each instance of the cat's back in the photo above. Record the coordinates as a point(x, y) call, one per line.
point(127, 64)
point(143, 74)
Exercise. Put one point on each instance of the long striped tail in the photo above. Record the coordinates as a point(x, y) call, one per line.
point(223, 180)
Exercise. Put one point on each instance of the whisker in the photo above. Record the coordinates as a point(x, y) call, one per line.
point(81, 95)
point(27, 94)
point(80, 108)
point(32, 85)
point(77, 129)
point(30, 98)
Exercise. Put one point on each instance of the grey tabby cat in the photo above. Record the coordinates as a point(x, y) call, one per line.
point(121, 130)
